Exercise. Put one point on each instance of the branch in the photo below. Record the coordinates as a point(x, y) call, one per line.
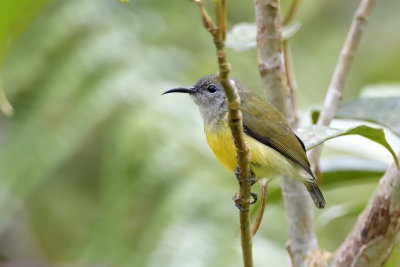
point(269, 46)
point(377, 229)
point(234, 121)
point(346, 57)
point(294, 119)
point(298, 207)
point(336, 87)
point(263, 184)
point(300, 220)
point(291, 12)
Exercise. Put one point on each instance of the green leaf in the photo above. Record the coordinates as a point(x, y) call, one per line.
point(316, 135)
point(378, 104)
point(384, 111)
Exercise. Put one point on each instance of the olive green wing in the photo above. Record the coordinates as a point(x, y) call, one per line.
point(268, 126)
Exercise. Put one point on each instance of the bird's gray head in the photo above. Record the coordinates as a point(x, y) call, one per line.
point(208, 94)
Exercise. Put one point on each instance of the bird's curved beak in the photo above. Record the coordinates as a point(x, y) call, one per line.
point(187, 89)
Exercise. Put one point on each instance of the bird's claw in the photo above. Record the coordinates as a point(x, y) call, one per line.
point(252, 179)
point(236, 199)
point(237, 174)
point(237, 204)
point(254, 195)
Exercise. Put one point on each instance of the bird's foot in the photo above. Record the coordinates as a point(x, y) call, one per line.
point(236, 199)
point(237, 174)
point(252, 179)
point(254, 195)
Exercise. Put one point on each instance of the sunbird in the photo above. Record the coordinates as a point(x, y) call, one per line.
point(274, 148)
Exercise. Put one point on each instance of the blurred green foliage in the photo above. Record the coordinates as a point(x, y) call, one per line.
point(14, 19)
point(381, 110)
point(97, 167)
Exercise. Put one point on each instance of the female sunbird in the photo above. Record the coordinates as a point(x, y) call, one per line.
point(274, 148)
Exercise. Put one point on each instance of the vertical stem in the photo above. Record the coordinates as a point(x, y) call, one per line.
point(294, 119)
point(299, 216)
point(245, 232)
point(298, 207)
point(335, 90)
point(223, 21)
point(235, 123)
point(270, 53)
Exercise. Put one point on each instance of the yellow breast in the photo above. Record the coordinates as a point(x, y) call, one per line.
point(221, 143)
point(265, 161)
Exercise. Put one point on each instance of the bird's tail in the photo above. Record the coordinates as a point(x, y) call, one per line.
point(316, 195)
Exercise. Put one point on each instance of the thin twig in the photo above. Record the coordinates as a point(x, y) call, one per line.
point(336, 87)
point(235, 124)
point(218, 16)
point(294, 119)
point(263, 184)
point(223, 21)
point(291, 12)
point(335, 90)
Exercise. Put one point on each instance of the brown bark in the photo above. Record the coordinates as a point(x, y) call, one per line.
point(235, 124)
point(377, 230)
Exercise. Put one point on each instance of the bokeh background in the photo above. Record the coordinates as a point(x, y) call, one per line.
point(96, 168)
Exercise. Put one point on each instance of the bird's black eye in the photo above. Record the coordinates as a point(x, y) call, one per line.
point(212, 88)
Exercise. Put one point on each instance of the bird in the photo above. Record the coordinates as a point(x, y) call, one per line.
point(274, 148)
